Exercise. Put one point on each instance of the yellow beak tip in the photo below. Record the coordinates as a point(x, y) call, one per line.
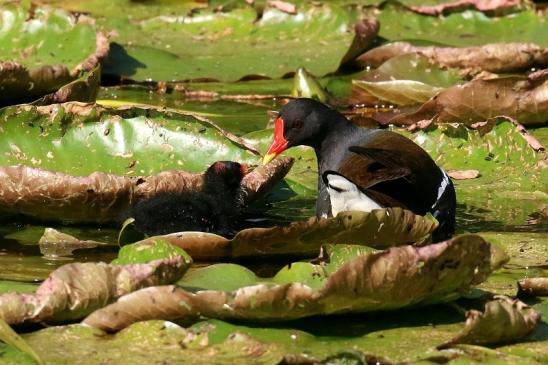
point(267, 158)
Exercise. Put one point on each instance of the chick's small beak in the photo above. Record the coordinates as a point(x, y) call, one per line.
point(245, 169)
point(279, 144)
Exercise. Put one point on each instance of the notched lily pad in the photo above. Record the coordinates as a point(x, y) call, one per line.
point(75, 290)
point(45, 163)
point(503, 320)
point(35, 63)
point(190, 45)
point(380, 229)
point(395, 278)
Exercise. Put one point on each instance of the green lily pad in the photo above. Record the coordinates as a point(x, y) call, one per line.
point(492, 152)
point(43, 49)
point(80, 139)
point(168, 42)
point(467, 28)
point(61, 142)
point(10, 337)
point(391, 279)
point(16, 287)
point(143, 253)
point(139, 345)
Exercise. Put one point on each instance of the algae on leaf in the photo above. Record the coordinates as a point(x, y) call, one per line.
point(143, 343)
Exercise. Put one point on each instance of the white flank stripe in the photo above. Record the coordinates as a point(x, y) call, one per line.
point(443, 185)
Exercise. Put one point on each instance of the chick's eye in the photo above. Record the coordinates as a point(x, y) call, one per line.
point(298, 124)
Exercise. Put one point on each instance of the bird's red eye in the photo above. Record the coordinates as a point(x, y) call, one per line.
point(298, 124)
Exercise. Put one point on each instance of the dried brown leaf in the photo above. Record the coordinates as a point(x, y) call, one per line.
point(463, 174)
point(391, 279)
point(503, 320)
point(457, 5)
point(380, 229)
point(75, 290)
point(102, 197)
point(478, 100)
point(496, 57)
point(533, 287)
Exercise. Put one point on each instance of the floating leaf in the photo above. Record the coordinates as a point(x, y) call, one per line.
point(306, 86)
point(33, 61)
point(503, 320)
point(141, 253)
point(140, 344)
point(54, 244)
point(10, 337)
point(478, 100)
point(78, 139)
point(462, 29)
point(494, 57)
point(456, 5)
point(380, 228)
point(533, 287)
point(398, 277)
point(405, 80)
point(401, 92)
point(84, 88)
point(192, 43)
point(75, 290)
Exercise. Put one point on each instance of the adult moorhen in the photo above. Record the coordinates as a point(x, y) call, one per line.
point(365, 169)
point(215, 208)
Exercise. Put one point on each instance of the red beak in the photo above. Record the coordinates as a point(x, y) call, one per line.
point(279, 144)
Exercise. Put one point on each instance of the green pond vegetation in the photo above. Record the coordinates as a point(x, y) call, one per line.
point(106, 102)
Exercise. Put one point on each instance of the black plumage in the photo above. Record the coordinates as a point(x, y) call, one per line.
point(387, 167)
point(216, 208)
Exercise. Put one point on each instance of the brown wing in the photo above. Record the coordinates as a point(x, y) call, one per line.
point(365, 170)
point(396, 167)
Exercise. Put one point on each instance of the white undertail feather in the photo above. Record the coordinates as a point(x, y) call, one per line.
point(443, 185)
point(345, 196)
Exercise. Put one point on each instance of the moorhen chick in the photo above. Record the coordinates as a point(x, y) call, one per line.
point(215, 208)
point(365, 169)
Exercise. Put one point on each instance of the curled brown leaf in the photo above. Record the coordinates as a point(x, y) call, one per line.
point(478, 100)
point(503, 320)
point(391, 279)
point(533, 287)
point(496, 57)
point(75, 290)
point(102, 197)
